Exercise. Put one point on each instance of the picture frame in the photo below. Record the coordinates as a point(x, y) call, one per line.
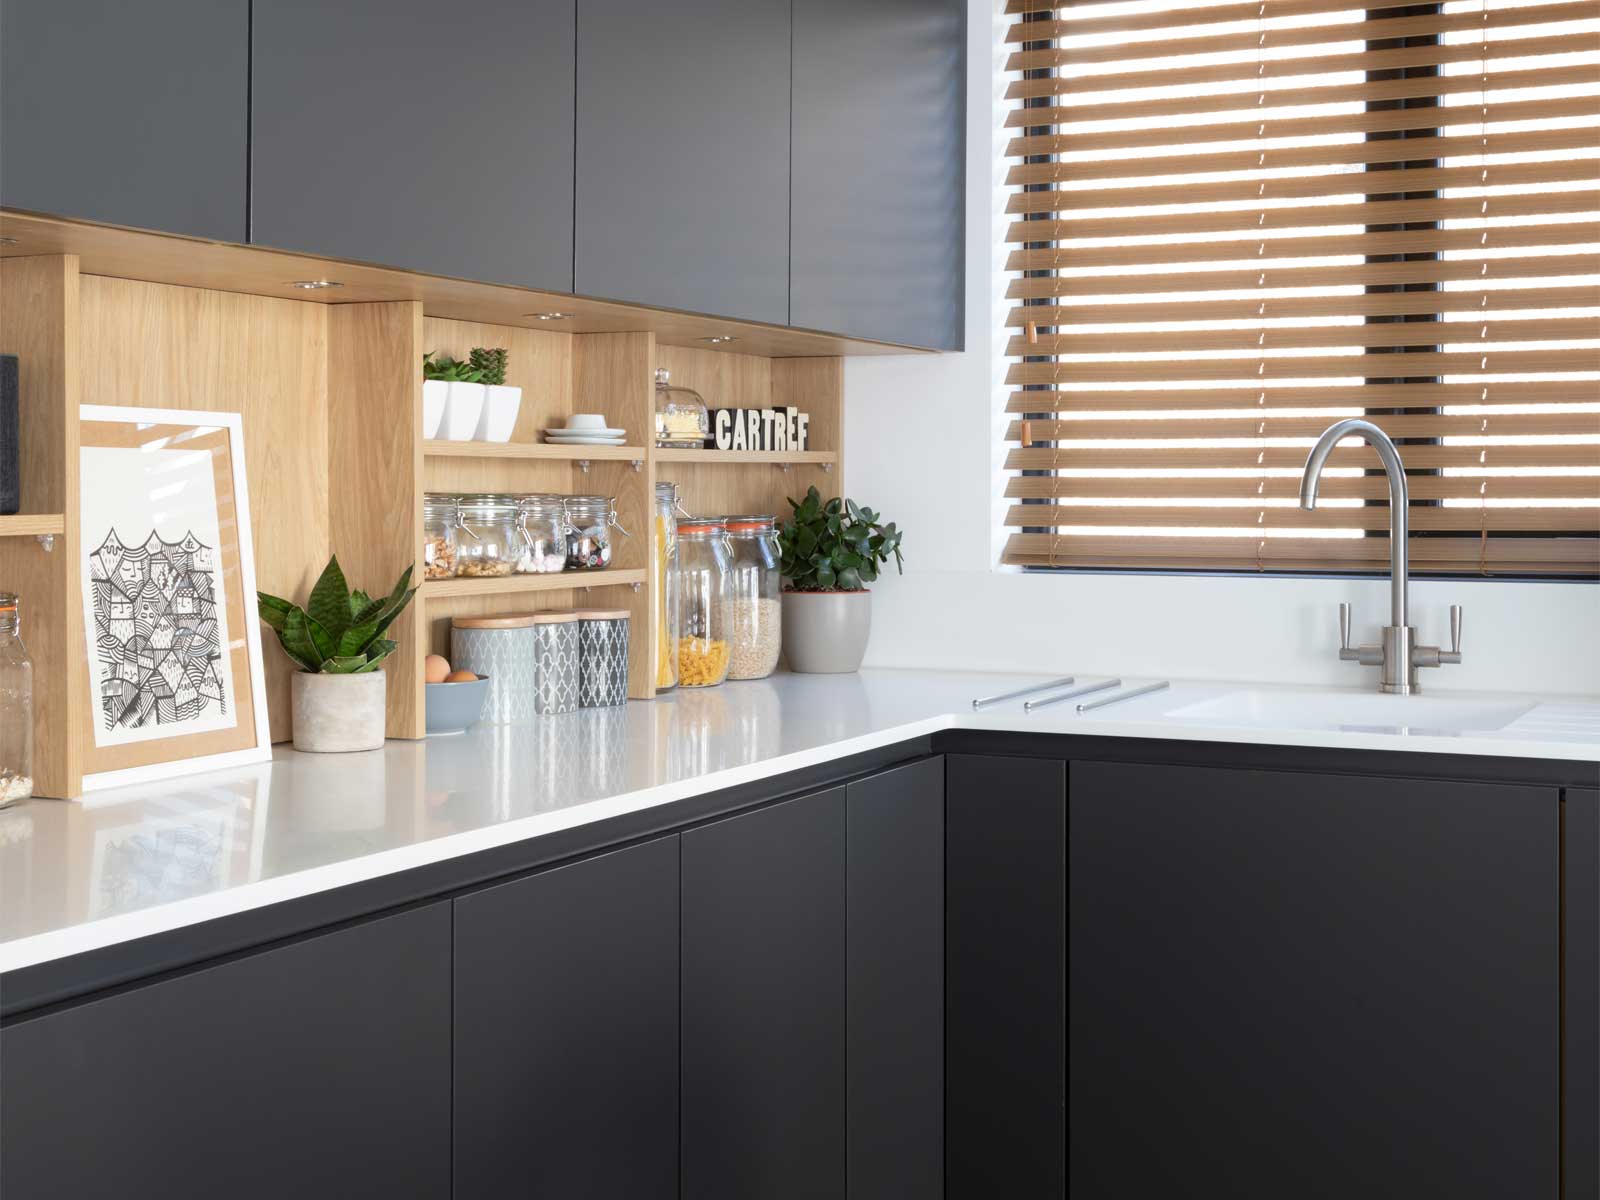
point(176, 676)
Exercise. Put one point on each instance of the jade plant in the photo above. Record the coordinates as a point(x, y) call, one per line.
point(489, 364)
point(835, 545)
point(339, 632)
point(449, 370)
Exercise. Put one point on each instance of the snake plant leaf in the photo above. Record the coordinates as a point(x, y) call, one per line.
point(344, 665)
point(273, 609)
point(297, 641)
point(357, 638)
point(330, 600)
point(380, 650)
point(321, 638)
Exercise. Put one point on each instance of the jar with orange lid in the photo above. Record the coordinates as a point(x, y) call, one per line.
point(16, 706)
point(702, 571)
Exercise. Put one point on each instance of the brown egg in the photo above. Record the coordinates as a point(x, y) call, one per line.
point(435, 668)
point(460, 677)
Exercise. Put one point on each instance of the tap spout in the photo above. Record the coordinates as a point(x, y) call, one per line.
point(1399, 501)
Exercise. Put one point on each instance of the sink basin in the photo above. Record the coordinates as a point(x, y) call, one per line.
point(1362, 712)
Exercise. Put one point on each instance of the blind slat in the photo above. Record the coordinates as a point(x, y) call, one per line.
point(1281, 488)
point(1293, 457)
point(1409, 333)
point(1432, 519)
point(1432, 425)
point(1425, 365)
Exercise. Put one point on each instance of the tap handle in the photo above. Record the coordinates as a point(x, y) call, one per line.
point(1455, 629)
point(1344, 627)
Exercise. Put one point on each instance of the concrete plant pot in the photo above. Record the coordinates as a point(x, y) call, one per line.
point(337, 713)
point(825, 633)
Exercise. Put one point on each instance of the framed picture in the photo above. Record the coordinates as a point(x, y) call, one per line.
point(169, 588)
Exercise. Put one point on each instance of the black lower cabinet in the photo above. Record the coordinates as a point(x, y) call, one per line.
point(1316, 986)
point(1581, 1008)
point(763, 1004)
point(895, 936)
point(1005, 988)
point(566, 1031)
point(317, 1069)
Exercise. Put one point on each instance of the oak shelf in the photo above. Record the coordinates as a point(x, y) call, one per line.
point(32, 524)
point(535, 450)
point(746, 457)
point(505, 584)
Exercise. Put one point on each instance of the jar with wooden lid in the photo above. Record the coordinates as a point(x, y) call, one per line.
point(555, 662)
point(602, 657)
point(440, 522)
point(755, 607)
point(702, 637)
point(504, 649)
point(489, 535)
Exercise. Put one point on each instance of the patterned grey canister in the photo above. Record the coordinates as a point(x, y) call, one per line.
point(506, 650)
point(602, 657)
point(555, 676)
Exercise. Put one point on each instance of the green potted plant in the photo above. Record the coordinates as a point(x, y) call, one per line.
point(337, 642)
point(457, 396)
point(831, 550)
point(500, 401)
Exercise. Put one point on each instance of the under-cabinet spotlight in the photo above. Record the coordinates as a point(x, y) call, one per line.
point(548, 316)
point(314, 285)
point(720, 339)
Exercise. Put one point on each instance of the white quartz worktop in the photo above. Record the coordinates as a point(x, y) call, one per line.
point(133, 861)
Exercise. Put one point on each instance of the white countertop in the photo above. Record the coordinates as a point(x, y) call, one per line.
point(139, 860)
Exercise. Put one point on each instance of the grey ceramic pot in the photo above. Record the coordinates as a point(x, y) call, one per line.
point(335, 713)
point(825, 633)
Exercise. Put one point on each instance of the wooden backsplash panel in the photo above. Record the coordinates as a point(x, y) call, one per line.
point(540, 364)
point(154, 345)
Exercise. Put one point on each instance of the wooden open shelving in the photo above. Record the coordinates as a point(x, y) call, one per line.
point(330, 394)
point(32, 525)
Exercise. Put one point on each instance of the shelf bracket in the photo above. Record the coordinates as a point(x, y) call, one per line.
point(827, 468)
point(784, 467)
point(47, 540)
point(638, 465)
point(583, 465)
point(636, 586)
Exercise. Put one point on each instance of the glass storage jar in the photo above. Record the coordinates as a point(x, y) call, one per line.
point(489, 535)
point(439, 532)
point(590, 520)
point(755, 611)
point(702, 634)
point(543, 519)
point(681, 416)
point(16, 706)
point(664, 559)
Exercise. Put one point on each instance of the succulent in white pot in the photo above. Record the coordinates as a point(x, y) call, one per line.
point(337, 696)
point(501, 402)
point(463, 396)
point(831, 550)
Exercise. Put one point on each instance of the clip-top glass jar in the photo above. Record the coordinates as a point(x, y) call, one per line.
point(664, 559)
point(544, 535)
point(16, 706)
point(590, 520)
point(439, 533)
point(681, 416)
point(755, 610)
point(702, 633)
point(489, 538)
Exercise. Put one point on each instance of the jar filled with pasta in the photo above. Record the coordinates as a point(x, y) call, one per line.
point(702, 570)
point(664, 559)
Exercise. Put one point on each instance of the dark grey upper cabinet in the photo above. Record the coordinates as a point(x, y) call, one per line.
point(419, 135)
point(135, 114)
point(683, 155)
point(316, 1069)
point(1308, 985)
point(879, 178)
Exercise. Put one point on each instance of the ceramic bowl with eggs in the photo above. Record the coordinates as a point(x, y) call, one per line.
point(454, 698)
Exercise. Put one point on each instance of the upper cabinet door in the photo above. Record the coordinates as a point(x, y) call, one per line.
point(879, 177)
point(135, 114)
point(419, 135)
point(683, 155)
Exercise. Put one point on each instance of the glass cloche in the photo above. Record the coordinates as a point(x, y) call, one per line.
point(681, 416)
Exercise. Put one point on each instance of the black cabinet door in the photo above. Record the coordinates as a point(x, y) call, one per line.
point(566, 1031)
point(1581, 829)
point(762, 1080)
point(895, 938)
point(318, 1069)
point(436, 137)
point(135, 114)
point(1314, 986)
point(878, 190)
point(1005, 993)
point(683, 155)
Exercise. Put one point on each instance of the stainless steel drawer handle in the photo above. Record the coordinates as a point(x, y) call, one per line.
point(1128, 695)
point(1047, 701)
point(985, 701)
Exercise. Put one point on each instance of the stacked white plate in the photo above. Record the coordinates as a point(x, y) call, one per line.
point(585, 437)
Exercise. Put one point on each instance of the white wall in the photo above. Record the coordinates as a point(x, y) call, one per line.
point(923, 434)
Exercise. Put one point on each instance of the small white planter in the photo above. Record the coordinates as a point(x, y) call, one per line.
point(462, 408)
point(826, 632)
point(337, 713)
point(500, 404)
point(434, 394)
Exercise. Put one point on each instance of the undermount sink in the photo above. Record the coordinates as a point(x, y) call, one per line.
point(1367, 712)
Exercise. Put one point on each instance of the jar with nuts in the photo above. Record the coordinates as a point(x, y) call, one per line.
point(439, 531)
point(489, 539)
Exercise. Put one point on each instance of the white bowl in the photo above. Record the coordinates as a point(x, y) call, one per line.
point(434, 393)
point(462, 409)
point(499, 417)
point(586, 422)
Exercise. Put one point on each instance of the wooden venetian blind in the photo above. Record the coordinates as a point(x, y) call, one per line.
point(1235, 223)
